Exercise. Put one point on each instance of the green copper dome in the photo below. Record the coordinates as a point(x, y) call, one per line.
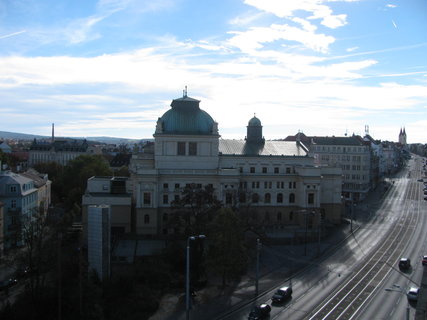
point(186, 117)
point(254, 122)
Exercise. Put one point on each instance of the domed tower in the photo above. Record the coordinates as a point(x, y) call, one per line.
point(254, 131)
point(184, 135)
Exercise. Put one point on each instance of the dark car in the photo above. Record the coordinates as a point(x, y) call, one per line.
point(259, 312)
point(424, 260)
point(6, 284)
point(282, 294)
point(412, 293)
point(404, 263)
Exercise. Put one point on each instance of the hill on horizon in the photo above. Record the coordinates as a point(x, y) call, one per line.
point(108, 140)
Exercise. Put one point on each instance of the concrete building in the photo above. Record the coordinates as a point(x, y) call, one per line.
point(99, 240)
point(278, 179)
point(58, 151)
point(114, 192)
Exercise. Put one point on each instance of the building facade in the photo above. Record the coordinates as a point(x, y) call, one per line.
point(278, 180)
point(19, 196)
point(114, 192)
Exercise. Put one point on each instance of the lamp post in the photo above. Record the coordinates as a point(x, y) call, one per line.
point(397, 288)
point(187, 278)
point(258, 249)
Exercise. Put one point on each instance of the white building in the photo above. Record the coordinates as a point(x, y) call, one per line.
point(278, 179)
point(99, 240)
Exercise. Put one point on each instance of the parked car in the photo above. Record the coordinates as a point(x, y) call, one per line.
point(404, 263)
point(282, 294)
point(412, 293)
point(424, 260)
point(6, 284)
point(259, 312)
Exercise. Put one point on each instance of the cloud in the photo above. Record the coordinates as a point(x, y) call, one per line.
point(287, 9)
point(12, 34)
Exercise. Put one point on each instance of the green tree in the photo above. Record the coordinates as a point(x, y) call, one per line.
point(227, 253)
point(196, 207)
point(76, 173)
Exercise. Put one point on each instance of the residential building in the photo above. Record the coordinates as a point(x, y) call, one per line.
point(43, 186)
point(114, 192)
point(19, 196)
point(278, 180)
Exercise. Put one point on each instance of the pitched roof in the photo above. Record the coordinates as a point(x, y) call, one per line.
point(268, 148)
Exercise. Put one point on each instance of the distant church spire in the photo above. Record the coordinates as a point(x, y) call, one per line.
point(53, 132)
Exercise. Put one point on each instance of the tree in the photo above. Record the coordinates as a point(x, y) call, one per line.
point(227, 254)
point(76, 173)
point(196, 206)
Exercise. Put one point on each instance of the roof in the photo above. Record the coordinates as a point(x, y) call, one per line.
point(268, 148)
point(341, 141)
point(186, 117)
point(60, 145)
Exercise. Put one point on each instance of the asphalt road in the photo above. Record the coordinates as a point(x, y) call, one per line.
point(322, 279)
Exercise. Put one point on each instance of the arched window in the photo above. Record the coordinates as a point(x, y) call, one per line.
point(291, 216)
point(267, 198)
point(146, 219)
point(255, 198)
point(292, 198)
point(280, 198)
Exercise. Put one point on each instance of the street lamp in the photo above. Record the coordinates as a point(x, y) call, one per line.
point(397, 288)
point(187, 278)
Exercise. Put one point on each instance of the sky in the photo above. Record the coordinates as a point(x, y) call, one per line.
point(113, 67)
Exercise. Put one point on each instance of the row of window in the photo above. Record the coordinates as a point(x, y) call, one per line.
point(276, 170)
point(339, 149)
point(186, 148)
point(268, 185)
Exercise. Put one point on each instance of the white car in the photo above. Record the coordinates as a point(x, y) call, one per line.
point(413, 293)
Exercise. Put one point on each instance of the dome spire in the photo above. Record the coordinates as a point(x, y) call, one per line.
point(184, 92)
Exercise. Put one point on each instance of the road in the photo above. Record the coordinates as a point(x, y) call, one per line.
point(351, 283)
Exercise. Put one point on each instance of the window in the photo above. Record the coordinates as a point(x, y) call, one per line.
point(255, 198)
point(291, 215)
point(165, 186)
point(290, 185)
point(279, 216)
point(176, 185)
point(288, 170)
point(165, 217)
point(13, 204)
point(310, 199)
point(264, 169)
point(292, 198)
point(192, 148)
point(228, 198)
point(12, 188)
point(146, 219)
point(279, 198)
point(165, 199)
point(294, 184)
point(242, 197)
point(176, 197)
point(267, 216)
point(267, 198)
point(147, 198)
point(181, 149)
point(276, 170)
point(252, 170)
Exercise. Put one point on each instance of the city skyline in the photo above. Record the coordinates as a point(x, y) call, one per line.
point(112, 67)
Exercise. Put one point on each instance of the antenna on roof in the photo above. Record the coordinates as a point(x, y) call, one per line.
point(184, 92)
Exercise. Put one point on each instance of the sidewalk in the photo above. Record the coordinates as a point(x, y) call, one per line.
point(277, 264)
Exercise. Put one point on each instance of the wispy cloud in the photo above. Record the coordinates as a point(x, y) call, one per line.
point(12, 34)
